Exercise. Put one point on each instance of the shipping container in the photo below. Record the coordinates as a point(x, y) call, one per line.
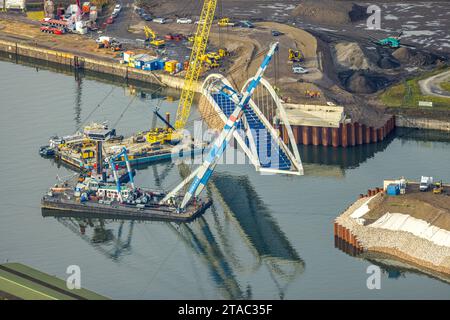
point(393, 189)
point(127, 55)
point(171, 66)
point(152, 65)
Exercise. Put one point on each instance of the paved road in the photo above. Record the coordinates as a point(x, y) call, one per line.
point(430, 86)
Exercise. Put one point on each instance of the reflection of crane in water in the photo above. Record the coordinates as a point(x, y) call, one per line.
point(111, 244)
point(78, 91)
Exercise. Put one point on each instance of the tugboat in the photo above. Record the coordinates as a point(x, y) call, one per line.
point(46, 151)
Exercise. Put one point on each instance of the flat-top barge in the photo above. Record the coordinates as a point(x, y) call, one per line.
point(106, 200)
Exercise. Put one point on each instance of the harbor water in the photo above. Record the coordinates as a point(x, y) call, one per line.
point(265, 237)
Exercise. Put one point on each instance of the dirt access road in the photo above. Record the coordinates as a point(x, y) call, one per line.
point(430, 86)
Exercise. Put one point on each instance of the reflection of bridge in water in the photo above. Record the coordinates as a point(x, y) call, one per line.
point(216, 239)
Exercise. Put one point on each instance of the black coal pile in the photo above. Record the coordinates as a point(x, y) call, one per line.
point(358, 13)
point(387, 62)
point(412, 57)
point(363, 81)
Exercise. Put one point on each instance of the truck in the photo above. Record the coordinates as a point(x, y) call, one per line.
point(425, 183)
point(109, 43)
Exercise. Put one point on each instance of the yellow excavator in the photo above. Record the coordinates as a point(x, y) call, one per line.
point(150, 37)
point(295, 55)
point(210, 60)
point(225, 22)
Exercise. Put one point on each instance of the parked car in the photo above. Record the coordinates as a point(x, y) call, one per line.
point(118, 7)
point(160, 20)
point(299, 69)
point(199, 22)
point(276, 33)
point(246, 24)
point(184, 20)
point(110, 20)
point(146, 17)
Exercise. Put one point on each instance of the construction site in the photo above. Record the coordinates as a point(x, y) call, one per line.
point(297, 89)
point(318, 71)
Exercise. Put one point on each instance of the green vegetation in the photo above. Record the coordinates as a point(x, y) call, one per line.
point(407, 94)
point(445, 86)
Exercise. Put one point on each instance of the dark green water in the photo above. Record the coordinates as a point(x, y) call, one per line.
point(265, 237)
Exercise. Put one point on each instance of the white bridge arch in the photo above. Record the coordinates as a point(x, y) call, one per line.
point(267, 110)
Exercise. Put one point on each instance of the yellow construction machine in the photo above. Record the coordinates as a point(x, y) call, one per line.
point(295, 56)
point(225, 22)
point(438, 188)
point(152, 39)
point(209, 61)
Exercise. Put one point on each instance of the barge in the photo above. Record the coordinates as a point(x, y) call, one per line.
point(102, 199)
point(83, 151)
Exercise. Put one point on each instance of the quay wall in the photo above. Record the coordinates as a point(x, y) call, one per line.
point(421, 122)
point(346, 135)
point(81, 62)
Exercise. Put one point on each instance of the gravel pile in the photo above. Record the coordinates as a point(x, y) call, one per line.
point(349, 55)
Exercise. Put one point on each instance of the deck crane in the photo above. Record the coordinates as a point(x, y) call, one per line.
point(202, 174)
point(111, 161)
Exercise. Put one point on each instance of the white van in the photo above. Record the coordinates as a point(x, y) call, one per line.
point(160, 20)
point(425, 183)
